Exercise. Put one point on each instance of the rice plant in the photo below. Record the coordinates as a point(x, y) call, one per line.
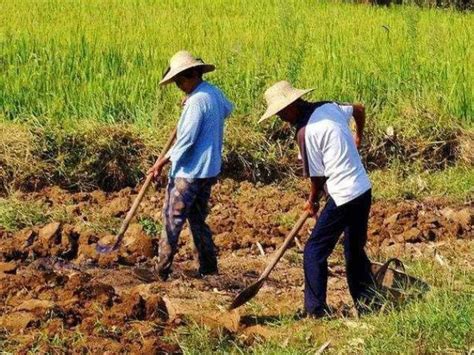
point(103, 59)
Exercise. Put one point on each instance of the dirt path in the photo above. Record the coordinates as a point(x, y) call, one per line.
point(53, 281)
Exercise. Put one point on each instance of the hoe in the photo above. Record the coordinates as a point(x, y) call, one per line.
point(252, 290)
point(123, 228)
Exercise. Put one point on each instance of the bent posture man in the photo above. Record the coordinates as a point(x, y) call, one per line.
point(330, 156)
point(195, 162)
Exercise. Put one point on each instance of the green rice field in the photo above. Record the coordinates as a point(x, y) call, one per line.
point(102, 60)
point(67, 65)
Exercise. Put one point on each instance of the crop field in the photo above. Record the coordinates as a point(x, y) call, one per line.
point(72, 69)
point(102, 60)
point(82, 118)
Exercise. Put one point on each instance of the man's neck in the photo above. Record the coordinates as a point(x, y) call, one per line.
point(306, 109)
point(198, 82)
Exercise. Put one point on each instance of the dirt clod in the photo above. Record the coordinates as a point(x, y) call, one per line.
point(16, 321)
point(37, 306)
point(137, 243)
point(155, 308)
point(8, 268)
point(413, 235)
point(117, 207)
point(49, 233)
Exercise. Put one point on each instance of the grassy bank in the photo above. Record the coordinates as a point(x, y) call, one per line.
point(439, 323)
point(91, 155)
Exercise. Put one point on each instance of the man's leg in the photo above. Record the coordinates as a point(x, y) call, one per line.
point(359, 276)
point(179, 198)
point(316, 252)
point(201, 232)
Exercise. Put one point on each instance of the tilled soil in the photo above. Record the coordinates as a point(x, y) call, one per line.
point(54, 283)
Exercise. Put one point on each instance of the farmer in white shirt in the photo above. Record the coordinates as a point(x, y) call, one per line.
point(329, 153)
point(195, 162)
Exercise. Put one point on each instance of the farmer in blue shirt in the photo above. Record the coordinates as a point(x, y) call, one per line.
point(195, 158)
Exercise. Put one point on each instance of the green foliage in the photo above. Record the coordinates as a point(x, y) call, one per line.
point(80, 156)
point(286, 220)
point(440, 324)
point(200, 340)
point(89, 155)
point(150, 226)
point(412, 182)
point(71, 72)
point(16, 214)
point(62, 59)
point(456, 4)
point(101, 222)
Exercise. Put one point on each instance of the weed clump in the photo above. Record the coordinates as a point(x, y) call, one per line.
point(102, 156)
point(16, 214)
point(20, 166)
point(82, 157)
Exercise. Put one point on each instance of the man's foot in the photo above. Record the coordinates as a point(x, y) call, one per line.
point(366, 309)
point(208, 272)
point(196, 274)
point(322, 313)
point(150, 274)
point(371, 302)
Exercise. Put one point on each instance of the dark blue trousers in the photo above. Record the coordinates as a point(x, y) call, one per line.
point(352, 219)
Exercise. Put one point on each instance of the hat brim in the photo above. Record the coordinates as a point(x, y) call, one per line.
point(172, 74)
point(278, 106)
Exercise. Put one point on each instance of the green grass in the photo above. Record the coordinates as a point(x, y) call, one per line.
point(16, 214)
point(101, 223)
point(442, 322)
point(150, 226)
point(412, 182)
point(80, 156)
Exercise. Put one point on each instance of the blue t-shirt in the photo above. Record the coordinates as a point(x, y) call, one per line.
point(197, 152)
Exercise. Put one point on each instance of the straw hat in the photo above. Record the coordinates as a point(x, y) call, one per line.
point(180, 62)
point(280, 95)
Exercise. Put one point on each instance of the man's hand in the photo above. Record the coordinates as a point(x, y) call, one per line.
point(158, 168)
point(317, 189)
point(156, 171)
point(311, 207)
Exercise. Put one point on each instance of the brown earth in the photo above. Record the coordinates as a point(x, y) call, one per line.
point(54, 283)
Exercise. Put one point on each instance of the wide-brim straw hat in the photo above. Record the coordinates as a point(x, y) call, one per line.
point(279, 96)
point(182, 61)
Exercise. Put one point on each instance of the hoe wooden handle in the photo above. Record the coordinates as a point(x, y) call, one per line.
point(141, 193)
point(253, 289)
point(285, 245)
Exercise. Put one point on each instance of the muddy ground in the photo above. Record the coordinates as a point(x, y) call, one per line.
point(54, 285)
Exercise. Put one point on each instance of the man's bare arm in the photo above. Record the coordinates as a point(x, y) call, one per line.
point(359, 116)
